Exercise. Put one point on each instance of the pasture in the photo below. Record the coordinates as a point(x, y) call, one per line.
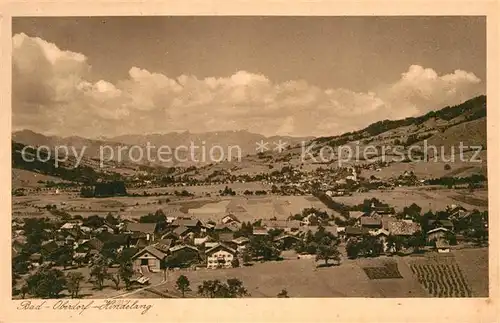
point(425, 197)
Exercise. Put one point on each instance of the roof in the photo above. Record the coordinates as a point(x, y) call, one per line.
point(444, 223)
point(182, 246)
point(379, 232)
point(163, 244)
point(141, 227)
point(95, 244)
point(50, 245)
point(403, 228)
point(369, 221)
point(284, 236)
point(180, 230)
point(281, 224)
point(221, 226)
point(226, 236)
point(355, 231)
point(232, 217)
point(355, 214)
point(241, 240)
point(314, 228)
point(152, 250)
point(383, 209)
point(220, 246)
point(186, 222)
point(259, 231)
point(437, 230)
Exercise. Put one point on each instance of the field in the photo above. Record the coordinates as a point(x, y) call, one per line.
point(441, 279)
point(427, 198)
point(247, 208)
point(301, 278)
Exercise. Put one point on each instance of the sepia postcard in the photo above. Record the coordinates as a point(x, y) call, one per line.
point(332, 162)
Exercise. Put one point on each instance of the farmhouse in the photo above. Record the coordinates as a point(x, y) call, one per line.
point(402, 227)
point(147, 229)
point(194, 225)
point(220, 256)
point(355, 214)
point(370, 223)
point(230, 218)
point(182, 256)
point(437, 234)
point(241, 243)
point(355, 232)
point(441, 223)
point(286, 241)
point(148, 259)
point(286, 225)
point(259, 231)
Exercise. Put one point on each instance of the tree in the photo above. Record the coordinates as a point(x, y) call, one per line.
point(327, 249)
point(352, 248)
point(46, 283)
point(283, 294)
point(235, 262)
point(126, 272)
point(447, 167)
point(115, 278)
point(99, 272)
point(247, 257)
point(73, 280)
point(236, 288)
point(182, 285)
point(65, 259)
point(216, 289)
point(24, 290)
point(417, 241)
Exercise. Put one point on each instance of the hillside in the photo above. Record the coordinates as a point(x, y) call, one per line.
point(447, 127)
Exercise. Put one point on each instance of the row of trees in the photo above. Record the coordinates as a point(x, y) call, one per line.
point(232, 288)
point(50, 282)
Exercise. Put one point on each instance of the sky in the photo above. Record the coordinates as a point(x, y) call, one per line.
point(298, 76)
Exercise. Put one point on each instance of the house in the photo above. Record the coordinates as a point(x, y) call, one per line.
point(402, 227)
point(181, 231)
point(455, 209)
point(241, 243)
point(148, 229)
point(355, 232)
point(230, 218)
point(370, 222)
point(355, 214)
point(182, 255)
point(49, 247)
point(314, 228)
point(309, 220)
point(164, 245)
point(442, 246)
point(285, 225)
point(437, 234)
point(382, 209)
point(441, 223)
point(226, 237)
point(194, 225)
point(225, 228)
point(202, 241)
point(149, 259)
point(259, 231)
point(286, 241)
point(220, 256)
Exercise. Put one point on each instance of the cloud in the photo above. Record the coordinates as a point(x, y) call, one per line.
point(52, 93)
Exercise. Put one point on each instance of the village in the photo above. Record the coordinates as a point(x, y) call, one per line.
point(135, 253)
